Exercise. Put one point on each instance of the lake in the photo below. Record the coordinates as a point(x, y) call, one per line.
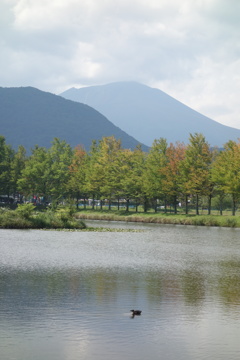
point(68, 295)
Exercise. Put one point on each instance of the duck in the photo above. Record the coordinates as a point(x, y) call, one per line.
point(136, 312)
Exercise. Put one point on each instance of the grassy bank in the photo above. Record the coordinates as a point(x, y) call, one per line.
point(198, 220)
point(27, 217)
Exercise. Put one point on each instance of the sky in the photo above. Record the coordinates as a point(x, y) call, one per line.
point(189, 49)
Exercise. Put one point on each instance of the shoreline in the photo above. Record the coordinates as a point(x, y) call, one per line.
point(62, 219)
point(179, 219)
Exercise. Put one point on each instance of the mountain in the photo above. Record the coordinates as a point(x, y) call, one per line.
point(32, 117)
point(149, 114)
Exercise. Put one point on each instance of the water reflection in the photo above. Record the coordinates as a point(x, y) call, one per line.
point(35, 289)
point(229, 282)
point(69, 295)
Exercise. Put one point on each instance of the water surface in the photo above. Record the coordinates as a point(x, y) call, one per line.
point(67, 295)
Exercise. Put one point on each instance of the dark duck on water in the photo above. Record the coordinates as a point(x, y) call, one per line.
point(136, 312)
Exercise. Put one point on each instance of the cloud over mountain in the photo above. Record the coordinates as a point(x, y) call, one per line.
point(189, 49)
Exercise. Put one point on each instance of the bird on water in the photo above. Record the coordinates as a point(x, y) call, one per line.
point(136, 312)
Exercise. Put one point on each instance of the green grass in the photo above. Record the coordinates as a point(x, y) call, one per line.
point(159, 218)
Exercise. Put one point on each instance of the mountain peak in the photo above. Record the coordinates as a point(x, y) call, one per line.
point(148, 113)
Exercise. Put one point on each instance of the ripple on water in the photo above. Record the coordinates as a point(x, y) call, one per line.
point(68, 295)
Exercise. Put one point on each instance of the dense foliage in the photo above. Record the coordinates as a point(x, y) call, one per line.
point(25, 217)
point(170, 174)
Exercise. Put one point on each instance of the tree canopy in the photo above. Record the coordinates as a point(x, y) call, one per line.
point(167, 174)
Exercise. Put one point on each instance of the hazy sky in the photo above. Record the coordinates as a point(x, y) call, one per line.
point(187, 48)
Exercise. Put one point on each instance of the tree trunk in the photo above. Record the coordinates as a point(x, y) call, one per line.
point(165, 205)
point(186, 204)
point(221, 205)
point(136, 206)
point(197, 205)
point(233, 206)
point(127, 205)
point(209, 204)
point(175, 204)
point(145, 205)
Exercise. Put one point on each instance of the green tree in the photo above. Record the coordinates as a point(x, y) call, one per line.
point(195, 168)
point(46, 172)
point(60, 157)
point(18, 164)
point(108, 170)
point(6, 159)
point(171, 172)
point(77, 174)
point(226, 172)
point(153, 176)
point(132, 167)
point(35, 179)
point(94, 172)
point(139, 168)
point(102, 174)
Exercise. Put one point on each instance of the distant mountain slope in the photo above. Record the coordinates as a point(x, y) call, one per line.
point(29, 116)
point(148, 113)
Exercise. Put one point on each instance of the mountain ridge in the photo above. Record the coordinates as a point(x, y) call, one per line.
point(149, 113)
point(29, 117)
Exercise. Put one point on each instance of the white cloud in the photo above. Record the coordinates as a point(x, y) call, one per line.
point(190, 49)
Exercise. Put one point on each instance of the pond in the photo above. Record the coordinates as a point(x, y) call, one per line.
point(68, 295)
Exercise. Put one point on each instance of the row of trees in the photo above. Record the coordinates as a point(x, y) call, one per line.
point(168, 174)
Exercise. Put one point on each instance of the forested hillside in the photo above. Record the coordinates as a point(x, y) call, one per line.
point(29, 116)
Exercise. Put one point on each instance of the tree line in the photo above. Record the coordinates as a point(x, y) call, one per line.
point(167, 174)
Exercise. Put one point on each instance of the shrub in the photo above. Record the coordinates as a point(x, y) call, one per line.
point(25, 210)
point(23, 218)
